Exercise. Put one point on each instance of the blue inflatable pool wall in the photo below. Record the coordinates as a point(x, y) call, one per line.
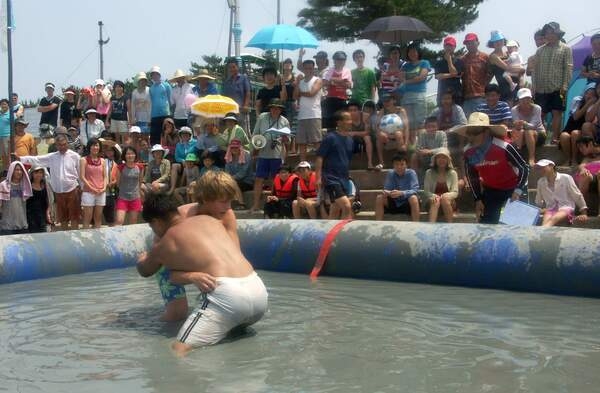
point(551, 260)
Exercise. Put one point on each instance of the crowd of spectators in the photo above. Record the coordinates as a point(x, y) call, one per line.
point(102, 149)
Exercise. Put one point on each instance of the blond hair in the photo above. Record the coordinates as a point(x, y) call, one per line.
point(216, 185)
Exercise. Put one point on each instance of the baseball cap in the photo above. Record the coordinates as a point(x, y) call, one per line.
point(471, 37)
point(450, 41)
point(191, 157)
point(135, 130)
point(320, 53)
point(544, 162)
point(523, 93)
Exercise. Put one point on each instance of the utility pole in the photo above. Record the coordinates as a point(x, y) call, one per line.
point(279, 22)
point(101, 43)
point(9, 25)
point(230, 32)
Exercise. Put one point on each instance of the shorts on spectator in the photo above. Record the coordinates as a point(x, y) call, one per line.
point(550, 101)
point(135, 205)
point(267, 168)
point(68, 206)
point(89, 200)
point(144, 126)
point(391, 207)
point(415, 105)
point(4, 142)
point(119, 126)
point(279, 209)
point(309, 131)
point(336, 191)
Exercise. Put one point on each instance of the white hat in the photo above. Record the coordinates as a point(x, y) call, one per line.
point(141, 75)
point(442, 151)
point(544, 162)
point(303, 164)
point(481, 120)
point(510, 43)
point(524, 93)
point(158, 147)
point(135, 130)
point(91, 110)
point(178, 74)
point(155, 69)
point(99, 82)
point(186, 130)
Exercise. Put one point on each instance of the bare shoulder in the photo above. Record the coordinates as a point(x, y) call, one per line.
point(188, 210)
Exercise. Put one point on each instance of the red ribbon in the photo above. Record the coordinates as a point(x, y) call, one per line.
point(324, 251)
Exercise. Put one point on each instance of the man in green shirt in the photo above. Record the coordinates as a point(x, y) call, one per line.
point(363, 79)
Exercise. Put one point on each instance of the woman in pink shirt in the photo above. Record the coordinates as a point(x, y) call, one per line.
point(94, 180)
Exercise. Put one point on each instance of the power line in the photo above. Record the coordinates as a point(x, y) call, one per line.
point(221, 30)
point(79, 65)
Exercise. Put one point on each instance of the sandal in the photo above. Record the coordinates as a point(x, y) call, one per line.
point(378, 167)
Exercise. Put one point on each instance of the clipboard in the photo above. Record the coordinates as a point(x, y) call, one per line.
point(520, 214)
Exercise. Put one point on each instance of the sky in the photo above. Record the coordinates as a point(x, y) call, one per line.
point(57, 40)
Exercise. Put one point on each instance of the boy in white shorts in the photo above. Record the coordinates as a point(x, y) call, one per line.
point(233, 294)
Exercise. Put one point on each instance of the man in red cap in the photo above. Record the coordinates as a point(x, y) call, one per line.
point(475, 74)
point(448, 72)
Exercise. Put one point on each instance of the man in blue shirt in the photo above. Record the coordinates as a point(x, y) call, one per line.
point(399, 191)
point(237, 87)
point(498, 111)
point(160, 95)
point(333, 163)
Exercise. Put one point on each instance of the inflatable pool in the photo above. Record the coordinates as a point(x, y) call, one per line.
point(550, 260)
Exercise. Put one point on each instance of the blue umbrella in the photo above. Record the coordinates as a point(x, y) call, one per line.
point(288, 37)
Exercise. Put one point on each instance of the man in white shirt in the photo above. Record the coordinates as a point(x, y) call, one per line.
point(308, 94)
point(64, 180)
point(180, 90)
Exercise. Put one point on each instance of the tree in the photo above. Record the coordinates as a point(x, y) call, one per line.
point(213, 63)
point(344, 20)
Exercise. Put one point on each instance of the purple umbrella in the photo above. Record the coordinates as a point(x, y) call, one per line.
point(580, 50)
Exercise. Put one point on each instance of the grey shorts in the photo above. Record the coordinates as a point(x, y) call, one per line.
point(309, 131)
point(119, 126)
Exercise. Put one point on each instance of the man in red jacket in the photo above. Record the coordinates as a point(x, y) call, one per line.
point(307, 191)
point(495, 169)
point(285, 189)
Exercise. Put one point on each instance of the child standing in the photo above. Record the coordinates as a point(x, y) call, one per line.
point(14, 192)
point(191, 173)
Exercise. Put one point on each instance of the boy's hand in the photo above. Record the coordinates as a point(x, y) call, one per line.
point(204, 281)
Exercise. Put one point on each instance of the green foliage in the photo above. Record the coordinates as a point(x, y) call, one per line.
point(213, 63)
point(344, 20)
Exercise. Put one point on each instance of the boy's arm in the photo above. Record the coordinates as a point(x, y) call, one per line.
point(203, 281)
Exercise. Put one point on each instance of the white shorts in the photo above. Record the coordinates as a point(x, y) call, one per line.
point(235, 302)
point(89, 200)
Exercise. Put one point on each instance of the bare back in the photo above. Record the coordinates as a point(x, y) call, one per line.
point(202, 244)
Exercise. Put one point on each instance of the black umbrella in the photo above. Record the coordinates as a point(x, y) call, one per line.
point(397, 28)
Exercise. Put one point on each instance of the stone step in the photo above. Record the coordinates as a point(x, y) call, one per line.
point(593, 222)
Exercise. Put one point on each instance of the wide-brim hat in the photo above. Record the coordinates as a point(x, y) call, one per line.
point(20, 120)
point(203, 74)
point(479, 120)
point(141, 76)
point(177, 75)
point(442, 152)
point(36, 168)
point(495, 36)
point(159, 147)
point(276, 102)
point(555, 27)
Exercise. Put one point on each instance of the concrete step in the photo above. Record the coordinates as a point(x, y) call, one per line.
point(593, 222)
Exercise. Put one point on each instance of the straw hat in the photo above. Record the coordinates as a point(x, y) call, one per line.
point(202, 74)
point(177, 75)
point(479, 120)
